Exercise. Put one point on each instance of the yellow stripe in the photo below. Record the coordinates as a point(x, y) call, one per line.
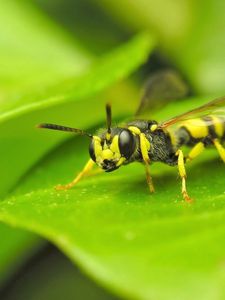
point(173, 138)
point(218, 125)
point(196, 127)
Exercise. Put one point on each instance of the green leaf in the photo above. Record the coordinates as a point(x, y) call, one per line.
point(111, 68)
point(58, 104)
point(136, 244)
point(98, 36)
point(34, 51)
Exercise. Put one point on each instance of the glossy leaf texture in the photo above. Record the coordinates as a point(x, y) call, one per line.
point(39, 61)
point(34, 52)
point(138, 245)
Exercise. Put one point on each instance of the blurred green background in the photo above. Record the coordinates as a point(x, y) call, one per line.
point(45, 45)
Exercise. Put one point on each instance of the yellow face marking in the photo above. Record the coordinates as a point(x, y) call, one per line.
point(134, 130)
point(121, 161)
point(108, 136)
point(109, 152)
point(97, 146)
point(115, 144)
point(196, 127)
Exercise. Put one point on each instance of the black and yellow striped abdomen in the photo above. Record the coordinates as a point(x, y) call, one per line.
point(204, 129)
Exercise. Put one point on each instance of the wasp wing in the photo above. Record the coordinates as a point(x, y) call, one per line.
point(215, 107)
point(160, 88)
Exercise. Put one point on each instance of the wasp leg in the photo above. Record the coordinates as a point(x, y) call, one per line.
point(144, 152)
point(149, 179)
point(144, 147)
point(195, 151)
point(183, 176)
point(94, 172)
point(86, 170)
point(220, 149)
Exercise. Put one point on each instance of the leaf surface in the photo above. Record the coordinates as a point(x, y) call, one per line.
point(34, 51)
point(138, 245)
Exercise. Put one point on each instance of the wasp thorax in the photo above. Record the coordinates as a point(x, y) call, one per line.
point(111, 152)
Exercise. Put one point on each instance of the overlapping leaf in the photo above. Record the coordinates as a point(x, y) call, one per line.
point(36, 54)
point(59, 104)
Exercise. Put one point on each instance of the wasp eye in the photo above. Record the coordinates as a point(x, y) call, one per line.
point(126, 143)
point(92, 151)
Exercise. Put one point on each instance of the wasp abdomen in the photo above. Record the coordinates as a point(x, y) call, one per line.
point(204, 129)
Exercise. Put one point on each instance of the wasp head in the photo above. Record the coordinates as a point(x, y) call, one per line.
point(112, 150)
point(109, 150)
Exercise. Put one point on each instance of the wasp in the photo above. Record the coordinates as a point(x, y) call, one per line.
point(149, 141)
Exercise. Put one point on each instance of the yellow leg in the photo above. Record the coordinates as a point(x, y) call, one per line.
point(183, 176)
point(195, 151)
point(94, 172)
point(145, 146)
point(86, 170)
point(149, 179)
point(220, 149)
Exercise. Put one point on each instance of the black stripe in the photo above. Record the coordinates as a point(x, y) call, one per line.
point(185, 137)
point(209, 123)
point(223, 122)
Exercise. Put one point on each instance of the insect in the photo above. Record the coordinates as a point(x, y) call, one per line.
point(149, 141)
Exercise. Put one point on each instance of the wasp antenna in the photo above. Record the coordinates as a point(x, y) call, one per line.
point(108, 117)
point(63, 128)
